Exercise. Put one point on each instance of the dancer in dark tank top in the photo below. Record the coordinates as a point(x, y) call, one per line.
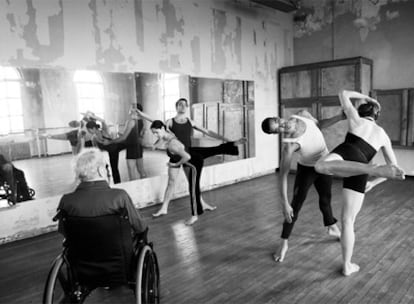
point(100, 136)
point(182, 127)
point(132, 139)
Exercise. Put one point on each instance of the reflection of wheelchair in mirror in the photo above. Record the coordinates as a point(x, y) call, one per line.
point(100, 252)
point(22, 192)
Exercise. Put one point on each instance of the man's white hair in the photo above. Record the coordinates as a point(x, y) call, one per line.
point(87, 163)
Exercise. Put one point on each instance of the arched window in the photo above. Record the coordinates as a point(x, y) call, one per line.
point(11, 110)
point(89, 87)
point(171, 93)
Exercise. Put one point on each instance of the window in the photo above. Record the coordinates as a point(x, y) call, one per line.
point(89, 87)
point(11, 113)
point(171, 93)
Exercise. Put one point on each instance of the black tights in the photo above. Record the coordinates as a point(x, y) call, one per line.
point(194, 168)
point(305, 177)
point(113, 151)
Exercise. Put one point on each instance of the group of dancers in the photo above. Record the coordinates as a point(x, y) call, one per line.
point(93, 131)
point(351, 160)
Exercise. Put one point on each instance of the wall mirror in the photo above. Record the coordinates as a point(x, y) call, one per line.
point(38, 104)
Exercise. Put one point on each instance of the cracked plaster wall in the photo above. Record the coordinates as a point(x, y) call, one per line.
point(208, 38)
point(377, 29)
point(381, 30)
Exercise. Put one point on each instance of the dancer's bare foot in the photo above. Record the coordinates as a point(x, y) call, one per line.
point(390, 171)
point(333, 230)
point(280, 256)
point(350, 269)
point(160, 212)
point(191, 220)
point(207, 207)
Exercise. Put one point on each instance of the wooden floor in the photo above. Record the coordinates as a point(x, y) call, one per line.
point(226, 256)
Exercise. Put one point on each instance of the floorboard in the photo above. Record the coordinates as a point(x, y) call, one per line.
point(226, 256)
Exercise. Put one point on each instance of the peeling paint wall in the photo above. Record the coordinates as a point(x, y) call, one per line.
point(208, 38)
point(380, 30)
point(232, 39)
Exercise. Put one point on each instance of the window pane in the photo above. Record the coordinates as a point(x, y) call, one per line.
point(170, 75)
point(16, 123)
point(15, 107)
point(98, 106)
point(87, 76)
point(4, 108)
point(171, 87)
point(95, 90)
point(169, 114)
point(2, 89)
point(13, 89)
point(4, 126)
point(9, 73)
point(83, 90)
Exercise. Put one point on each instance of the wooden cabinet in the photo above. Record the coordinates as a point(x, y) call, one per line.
point(227, 108)
point(315, 87)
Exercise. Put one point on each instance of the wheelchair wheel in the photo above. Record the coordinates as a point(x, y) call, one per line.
point(31, 192)
point(147, 289)
point(59, 283)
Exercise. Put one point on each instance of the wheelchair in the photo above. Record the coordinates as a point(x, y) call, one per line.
point(23, 192)
point(100, 252)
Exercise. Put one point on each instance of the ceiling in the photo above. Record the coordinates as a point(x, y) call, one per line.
point(286, 6)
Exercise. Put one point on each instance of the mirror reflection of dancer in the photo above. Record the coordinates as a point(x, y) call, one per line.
point(182, 127)
point(100, 135)
point(303, 136)
point(180, 157)
point(132, 138)
point(351, 160)
point(72, 136)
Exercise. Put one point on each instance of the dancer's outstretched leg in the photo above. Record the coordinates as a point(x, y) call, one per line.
point(333, 164)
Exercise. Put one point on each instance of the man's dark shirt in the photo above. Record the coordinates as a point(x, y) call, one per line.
point(96, 198)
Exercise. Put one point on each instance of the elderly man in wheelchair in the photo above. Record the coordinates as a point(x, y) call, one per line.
point(105, 240)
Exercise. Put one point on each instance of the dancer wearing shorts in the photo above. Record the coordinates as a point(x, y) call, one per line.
point(351, 160)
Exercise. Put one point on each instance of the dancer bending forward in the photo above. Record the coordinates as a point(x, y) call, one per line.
point(180, 157)
point(302, 135)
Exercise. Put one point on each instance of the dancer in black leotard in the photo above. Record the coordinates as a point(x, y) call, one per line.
point(179, 155)
point(100, 135)
point(351, 160)
point(132, 139)
point(182, 127)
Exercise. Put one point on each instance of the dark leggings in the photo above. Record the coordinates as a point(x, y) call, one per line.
point(305, 177)
point(206, 152)
point(113, 151)
point(194, 168)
